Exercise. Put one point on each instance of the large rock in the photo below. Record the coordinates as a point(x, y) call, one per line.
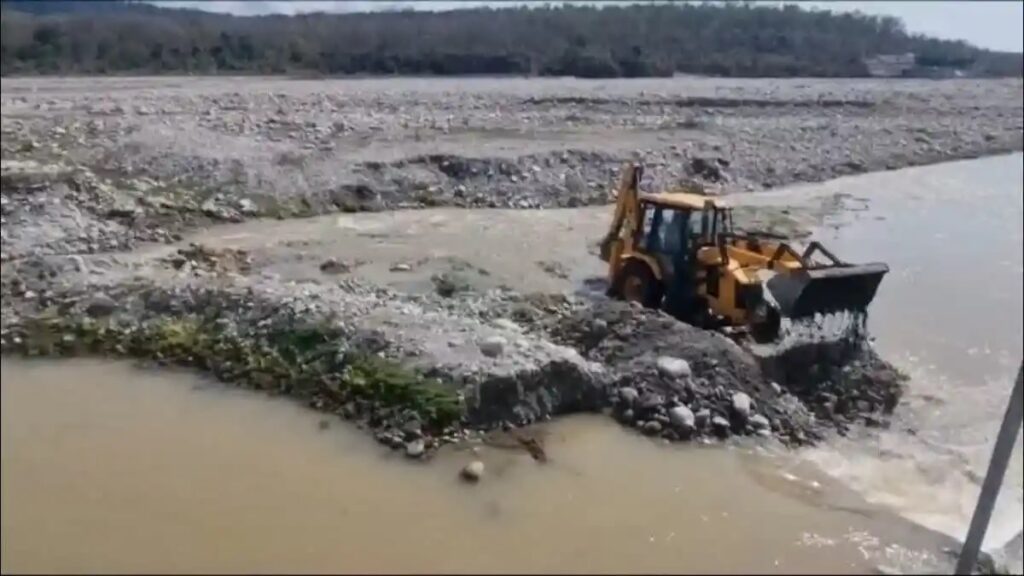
point(247, 207)
point(720, 426)
point(523, 393)
point(335, 266)
point(492, 346)
point(672, 367)
point(629, 396)
point(412, 429)
point(415, 449)
point(473, 471)
point(100, 305)
point(741, 405)
point(682, 418)
point(760, 422)
point(650, 401)
point(652, 427)
point(212, 208)
point(702, 418)
point(124, 208)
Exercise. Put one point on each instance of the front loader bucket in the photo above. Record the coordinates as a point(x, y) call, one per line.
point(807, 292)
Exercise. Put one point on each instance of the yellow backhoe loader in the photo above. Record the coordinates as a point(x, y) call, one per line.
point(678, 251)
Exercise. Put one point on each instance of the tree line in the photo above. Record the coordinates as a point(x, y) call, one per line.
point(585, 41)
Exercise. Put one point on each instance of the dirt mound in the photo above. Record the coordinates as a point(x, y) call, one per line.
point(716, 377)
point(842, 382)
point(803, 392)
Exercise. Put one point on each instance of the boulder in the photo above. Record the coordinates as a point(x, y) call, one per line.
point(652, 427)
point(334, 266)
point(650, 401)
point(682, 418)
point(492, 346)
point(741, 405)
point(247, 207)
point(473, 471)
point(412, 429)
point(629, 396)
point(100, 305)
point(416, 448)
point(702, 418)
point(759, 422)
point(720, 425)
point(214, 210)
point(672, 367)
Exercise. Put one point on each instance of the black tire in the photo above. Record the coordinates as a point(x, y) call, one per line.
point(765, 323)
point(700, 314)
point(636, 282)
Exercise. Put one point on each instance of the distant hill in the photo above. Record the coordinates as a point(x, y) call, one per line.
point(100, 37)
point(102, 7)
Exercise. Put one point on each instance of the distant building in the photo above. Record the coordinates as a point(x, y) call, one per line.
point(890, 65)
point(935, 72)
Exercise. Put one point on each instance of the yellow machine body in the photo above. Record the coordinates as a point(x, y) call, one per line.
point(678, 250)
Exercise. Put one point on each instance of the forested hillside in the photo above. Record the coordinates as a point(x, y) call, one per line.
point(609, 41)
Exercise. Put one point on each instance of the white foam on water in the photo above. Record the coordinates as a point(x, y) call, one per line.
point(928, 466)
point(822, 328)
point(848, 325)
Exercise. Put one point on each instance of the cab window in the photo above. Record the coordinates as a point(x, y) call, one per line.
point(697, 226)
point(671, 230)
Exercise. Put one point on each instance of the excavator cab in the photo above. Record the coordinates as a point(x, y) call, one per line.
point(679, 251)
point(653, 260)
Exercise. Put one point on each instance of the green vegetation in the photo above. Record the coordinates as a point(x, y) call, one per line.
point(377, 378)
point(303, 362)
point(734, 39)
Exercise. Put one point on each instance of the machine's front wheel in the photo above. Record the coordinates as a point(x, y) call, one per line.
point(700, 315)
point(765, 322)
point(636, 283)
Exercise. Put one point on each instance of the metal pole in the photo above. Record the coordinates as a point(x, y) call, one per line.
point(994, 478)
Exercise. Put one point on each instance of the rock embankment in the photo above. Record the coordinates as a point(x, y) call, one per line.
point(418, 371)
point(691, 381)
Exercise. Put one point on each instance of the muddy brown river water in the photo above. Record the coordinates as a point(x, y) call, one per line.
point(108, 467)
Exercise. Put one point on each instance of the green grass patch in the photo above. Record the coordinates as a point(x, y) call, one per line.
point(302, 362)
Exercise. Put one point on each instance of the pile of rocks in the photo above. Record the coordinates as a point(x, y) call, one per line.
point(664, 371)
point(690, 411)
point(508, 359)
point(198, 259)
point(58, 207)
point(503, 359)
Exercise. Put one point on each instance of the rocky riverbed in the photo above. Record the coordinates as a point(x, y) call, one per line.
point(105, 182)
point(143, 158)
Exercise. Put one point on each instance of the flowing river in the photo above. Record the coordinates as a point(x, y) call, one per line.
point(949, 314)
point(107, 467)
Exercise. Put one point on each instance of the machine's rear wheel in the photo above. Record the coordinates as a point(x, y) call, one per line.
point(636, 283)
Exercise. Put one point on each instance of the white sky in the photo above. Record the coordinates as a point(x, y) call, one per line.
point(995, 25)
